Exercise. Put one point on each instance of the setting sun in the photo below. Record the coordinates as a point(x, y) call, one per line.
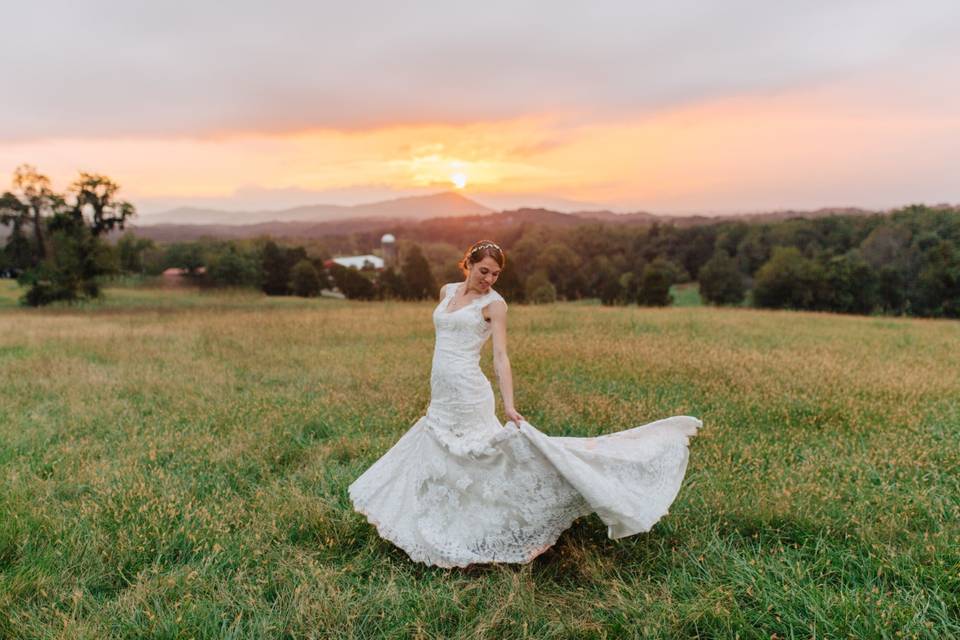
point(459, 180)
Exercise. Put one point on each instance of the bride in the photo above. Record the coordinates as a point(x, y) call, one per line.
point(460, 488)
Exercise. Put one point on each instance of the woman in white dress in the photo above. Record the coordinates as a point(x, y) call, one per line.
point(460, 488)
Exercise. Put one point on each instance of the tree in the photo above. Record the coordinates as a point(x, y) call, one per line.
point(419, 280)
point(721, 281)
point(304, 279)
point(697, 247)
point(234, 269)
point(33, 190)
point(17, 253)
point(131, 250)
point(391, 285)
point(789, 280)
point(95, 196)
point(561, 265)
point(852, 286)
point(754, 249)
point(67, 255)
point(884, 245)
point(539, 289)
point(655, 283)
point(352, 283)
point(185, 255)
point(509, 284)
point(276, 264)
point(276, 275)
point(612, 289)
point(939, 282)
point(63, 275)
point(891, 290)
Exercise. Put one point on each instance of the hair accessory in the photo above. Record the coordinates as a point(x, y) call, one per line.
point(485, 245)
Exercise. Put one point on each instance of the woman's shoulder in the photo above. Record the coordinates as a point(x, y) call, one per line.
point(449, 288)
point(494, 296)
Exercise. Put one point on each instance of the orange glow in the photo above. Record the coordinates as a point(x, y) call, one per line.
point(787, 150)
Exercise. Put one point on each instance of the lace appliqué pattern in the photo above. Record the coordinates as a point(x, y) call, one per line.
point(460, 488)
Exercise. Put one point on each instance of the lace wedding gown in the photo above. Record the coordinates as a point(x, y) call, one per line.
point(460, 488)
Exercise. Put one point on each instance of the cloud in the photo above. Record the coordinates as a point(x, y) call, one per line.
point(204, 69)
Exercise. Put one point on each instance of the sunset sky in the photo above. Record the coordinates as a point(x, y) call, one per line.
point(669, 107)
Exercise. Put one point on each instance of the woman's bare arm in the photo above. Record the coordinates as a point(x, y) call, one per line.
point(501, 362)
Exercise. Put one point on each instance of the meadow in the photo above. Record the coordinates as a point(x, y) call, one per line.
point(175, 465)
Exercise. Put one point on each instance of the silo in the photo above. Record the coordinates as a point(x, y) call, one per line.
point(388, 246)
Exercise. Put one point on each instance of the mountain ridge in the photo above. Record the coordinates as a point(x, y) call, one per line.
point(311, 229)
point(446, 203)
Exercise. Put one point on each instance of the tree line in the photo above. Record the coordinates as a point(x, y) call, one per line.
point(906, 262)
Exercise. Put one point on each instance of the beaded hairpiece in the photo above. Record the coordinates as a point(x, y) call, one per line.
point(485, 245)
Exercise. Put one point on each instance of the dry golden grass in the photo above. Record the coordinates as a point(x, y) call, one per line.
point(175, 465)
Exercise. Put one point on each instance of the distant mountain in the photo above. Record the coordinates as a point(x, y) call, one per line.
point(448, 204)
point(441, 212)
point(303, 230)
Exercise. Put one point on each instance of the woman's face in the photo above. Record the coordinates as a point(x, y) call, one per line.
point(484, 273)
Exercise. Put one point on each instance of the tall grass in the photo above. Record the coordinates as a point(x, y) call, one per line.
point(174, 465)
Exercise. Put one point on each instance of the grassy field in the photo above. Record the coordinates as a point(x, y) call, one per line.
point(175, 465)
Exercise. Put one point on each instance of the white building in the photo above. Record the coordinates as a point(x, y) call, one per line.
point(368, 261)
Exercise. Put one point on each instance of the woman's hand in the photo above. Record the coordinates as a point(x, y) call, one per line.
point(515, 416)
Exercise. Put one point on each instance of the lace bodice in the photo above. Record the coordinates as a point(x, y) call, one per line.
point(462, 333)
point(461, 411)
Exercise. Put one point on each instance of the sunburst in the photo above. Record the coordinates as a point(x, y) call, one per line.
point(459, 180)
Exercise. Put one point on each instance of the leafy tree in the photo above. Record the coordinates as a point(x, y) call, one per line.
point(234, 269)
point(304, 279)
point(276, 271)
point(721, 281)
point(884, 245)
point(34, 192)
point(185, 255)
point(539, 289)
point(63, 274)
point(789, 280)
point(939, 282)
point(509, 284)
point(852, 286)
point(695, 249)
point(131, 250)
point(754, 249)
point(420, 284)
point(75, 258)
point(392, 285)
point(891, 290)
point(352, 283)
point(17, 253)
point(276, 264)
point(562, 266)
point(655, 283)
point(95, 196)
point(611, 288)
point(67, 254)
point(729, 236)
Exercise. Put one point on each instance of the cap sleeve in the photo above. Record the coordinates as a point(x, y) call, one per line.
point(492, 296)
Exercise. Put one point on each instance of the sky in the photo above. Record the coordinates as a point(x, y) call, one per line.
point(669, 107)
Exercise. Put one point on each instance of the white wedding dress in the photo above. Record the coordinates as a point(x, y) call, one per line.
point(461, 488)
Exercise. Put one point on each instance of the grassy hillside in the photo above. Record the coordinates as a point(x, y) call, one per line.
point(175, 465)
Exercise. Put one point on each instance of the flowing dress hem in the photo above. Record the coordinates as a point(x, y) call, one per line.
point(391, 536)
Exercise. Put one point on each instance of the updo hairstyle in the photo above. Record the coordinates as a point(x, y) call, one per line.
point(479, 251)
